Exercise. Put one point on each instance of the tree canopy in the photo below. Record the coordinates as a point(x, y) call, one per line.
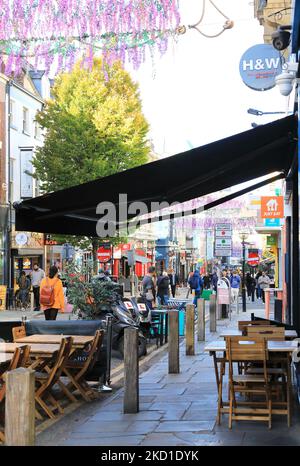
point(94, 127)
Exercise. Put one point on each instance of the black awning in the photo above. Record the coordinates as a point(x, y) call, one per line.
point(179, 178)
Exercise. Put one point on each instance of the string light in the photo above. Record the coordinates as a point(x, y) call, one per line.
point(66, 30)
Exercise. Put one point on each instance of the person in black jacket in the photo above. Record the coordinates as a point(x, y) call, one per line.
point(163, 284)
point(174, 281)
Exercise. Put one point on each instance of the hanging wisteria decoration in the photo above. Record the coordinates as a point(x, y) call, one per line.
point(44, 32)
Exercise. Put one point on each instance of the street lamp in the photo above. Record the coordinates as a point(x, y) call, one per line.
point(243, 237)
point(253, 111)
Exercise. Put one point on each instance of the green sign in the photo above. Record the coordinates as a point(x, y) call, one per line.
point(271, 240)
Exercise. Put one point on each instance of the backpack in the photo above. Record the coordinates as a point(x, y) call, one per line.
point(47, 297)
point(194, 282)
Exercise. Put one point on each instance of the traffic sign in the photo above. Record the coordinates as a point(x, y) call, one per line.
point(223, 243)
point(223, 230)
point(104, 253)
point(253, 257)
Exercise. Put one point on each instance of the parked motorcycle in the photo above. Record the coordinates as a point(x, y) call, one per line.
point(122, 318)
point(140, 313)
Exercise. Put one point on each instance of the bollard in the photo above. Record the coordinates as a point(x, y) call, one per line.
point(212, 313)
point(20, 408)
point(190, 330)
point(201, 319)
point(131, 370)
point(174, 342)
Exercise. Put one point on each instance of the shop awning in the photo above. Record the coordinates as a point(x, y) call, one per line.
point(138, 258)
point(182, 177)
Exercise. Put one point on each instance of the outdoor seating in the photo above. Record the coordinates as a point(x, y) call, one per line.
point(46, 380)
point(76, 369)
point(243, 324)
point(245, 350)
point(18, 332)
point(266, 331)
point(18, 359)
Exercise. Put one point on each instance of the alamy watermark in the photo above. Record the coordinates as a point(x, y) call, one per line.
point(124, 218)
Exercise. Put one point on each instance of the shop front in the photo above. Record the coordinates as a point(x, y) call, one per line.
point(27, 249)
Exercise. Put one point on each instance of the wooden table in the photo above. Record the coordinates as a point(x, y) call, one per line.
point(5, 357)
point(36, 349)
point(282, 348)
point(79, 341)
point(289, 334)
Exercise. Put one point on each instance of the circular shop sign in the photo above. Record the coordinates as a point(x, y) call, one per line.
point(259, 66)
point(21, 239)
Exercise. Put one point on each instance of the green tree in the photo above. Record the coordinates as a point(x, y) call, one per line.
point(94, 127)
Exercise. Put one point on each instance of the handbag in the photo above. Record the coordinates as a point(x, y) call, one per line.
point(149, 295)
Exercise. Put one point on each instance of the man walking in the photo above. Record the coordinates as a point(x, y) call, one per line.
point(36, 277)
point(235, 286)
point(174, 281)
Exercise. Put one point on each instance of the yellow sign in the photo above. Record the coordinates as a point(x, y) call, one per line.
point(2, 297)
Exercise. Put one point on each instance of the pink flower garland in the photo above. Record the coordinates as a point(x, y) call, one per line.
point(39, 29)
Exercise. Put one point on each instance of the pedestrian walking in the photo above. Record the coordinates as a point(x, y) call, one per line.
point(103, 276)
point(196, 284)
point(235, 282)
point(174, 281)
point(163, 285)
point(24, 287)
point(258, 289)
point(52, 294)
point(149, 293)
point(264, 282)
point(214, 281)
point(37, 276)
point(206, 282)
point(250, 285)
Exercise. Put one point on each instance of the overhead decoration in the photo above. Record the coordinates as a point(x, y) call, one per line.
point(56, 33)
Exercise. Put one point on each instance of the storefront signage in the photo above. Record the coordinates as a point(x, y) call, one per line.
point(2, 297)
point(21, 239)
point(271, 240)
point(272, 207)
point(259, 66)
point(272, 222)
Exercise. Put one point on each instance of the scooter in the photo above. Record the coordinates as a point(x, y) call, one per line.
point(122, 318)
point(140, 313)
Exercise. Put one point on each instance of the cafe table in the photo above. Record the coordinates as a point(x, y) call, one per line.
point(36, 349)
point(79, 341)
point(283, 349)
point(5, 357)
point(289, 334)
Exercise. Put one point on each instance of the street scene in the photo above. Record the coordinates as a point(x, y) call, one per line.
point(149, 225)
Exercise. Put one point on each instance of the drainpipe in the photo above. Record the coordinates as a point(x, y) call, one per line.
point(8, 231)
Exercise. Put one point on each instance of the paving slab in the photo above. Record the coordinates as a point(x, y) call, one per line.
point(185, 426)
point(176, 410)
point(120, 416)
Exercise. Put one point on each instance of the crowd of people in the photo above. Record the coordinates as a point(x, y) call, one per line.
point(158, 288)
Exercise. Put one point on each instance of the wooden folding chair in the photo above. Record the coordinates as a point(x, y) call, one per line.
point(18, 332)
point(243, 324)
point(247, 349)
point(76, 371)
point(270, 332)
point(47, 380)
point(19, 358)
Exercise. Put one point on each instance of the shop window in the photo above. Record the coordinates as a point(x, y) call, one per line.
point(25, 120)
